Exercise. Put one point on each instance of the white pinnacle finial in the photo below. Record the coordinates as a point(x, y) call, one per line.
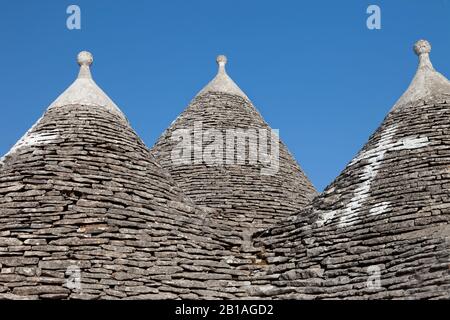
point(422, 47)
point(85, 58)
point(222, 82)
point(221, 60)
point(427, 82)
point(84, 90)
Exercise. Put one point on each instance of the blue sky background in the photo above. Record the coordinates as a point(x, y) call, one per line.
point(312, 68)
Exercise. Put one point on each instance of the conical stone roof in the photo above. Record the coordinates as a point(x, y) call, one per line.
point(381, 229)
point(254, 186)
point(82, 198)
point(80, 194)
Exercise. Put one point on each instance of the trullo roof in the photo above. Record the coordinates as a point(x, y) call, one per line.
point(87, 212)
point(381, 229)
point(250, 176)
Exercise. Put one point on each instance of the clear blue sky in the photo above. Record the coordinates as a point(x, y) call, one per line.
point(312, 68)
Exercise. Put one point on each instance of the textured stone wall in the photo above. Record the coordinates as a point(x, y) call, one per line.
point(388, 213)
point(82, 190)
point(248, 199)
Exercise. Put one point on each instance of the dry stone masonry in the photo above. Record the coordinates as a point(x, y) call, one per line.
point(88, 212)
point(247, 198)
point(381, 229)
point(81, 192)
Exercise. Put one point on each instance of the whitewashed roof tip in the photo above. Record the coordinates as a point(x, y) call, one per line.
point(85, 91)
point(222, 81)
point(427, 82)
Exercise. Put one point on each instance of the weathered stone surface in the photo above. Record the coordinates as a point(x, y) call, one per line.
point(376, 232)
point(17, 261)
point(91, 199)
point(5, 242)
point(37, 290)
point(245, 198)
point(63, 264)
point(81, 197)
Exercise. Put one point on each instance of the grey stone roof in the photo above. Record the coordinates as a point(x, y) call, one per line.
point(81, 190)
point(388, 212)
point(249, 200)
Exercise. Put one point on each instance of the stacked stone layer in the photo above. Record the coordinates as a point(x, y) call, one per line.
point(397, 227)
point(248, 199)
point(91, 195)
point(80, 194)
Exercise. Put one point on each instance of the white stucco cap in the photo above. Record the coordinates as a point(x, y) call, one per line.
point(427, 82)
point(222, 82)
point(84, 90)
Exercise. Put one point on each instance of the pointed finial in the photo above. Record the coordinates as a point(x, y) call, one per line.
point(222, 81)
point(85, 58)
point(84, 91)
point(427, 82)
point(421, 47)
point(221, 60)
